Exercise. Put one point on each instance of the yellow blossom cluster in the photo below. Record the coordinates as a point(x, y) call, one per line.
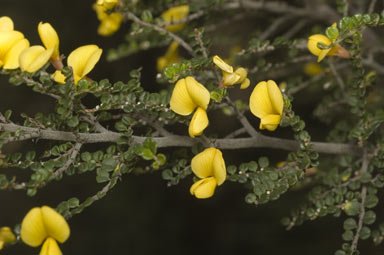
point(230, 77)
point(15, 52)
point(109, 21)
point(6, 236)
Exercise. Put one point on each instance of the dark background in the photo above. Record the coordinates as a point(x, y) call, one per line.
point(141, 215)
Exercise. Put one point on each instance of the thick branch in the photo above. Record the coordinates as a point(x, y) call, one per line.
point(259, 141)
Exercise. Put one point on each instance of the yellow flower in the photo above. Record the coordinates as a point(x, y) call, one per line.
point(188, 95)
point(266, 102)
point(209, 166)
point(335, 50)
point(33, 58)
point(49, 38)
point(231, 77)
point(6, 236)
point(313, 69)
point(108, 4)
point(44, 224)
point(12, 43)
point(171, 56)
point(83, 60)
point(175, 14)
point(109, 22)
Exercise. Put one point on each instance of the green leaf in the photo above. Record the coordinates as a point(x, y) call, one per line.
point(348, 235)
point(86, 156)
point(369, 217)
point(332, 32)
point(263, 162)
point(365, 233)
point(146, 154)
point(350, 224)
point(352, 208)
point(108, 164)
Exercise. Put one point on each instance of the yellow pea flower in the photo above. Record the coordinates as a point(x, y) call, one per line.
point(108, 4)
point(188, 95)
point(266, 102)
point(209, 166)
point(231, 77)
point(335, 50)
point(6, 24)
point(33, 58)
point(49, 38)
point(171, 56)
point(12, 43)
point(44, 224)
point(83, 60)
point(313, 69)
point(6, 236)
point(175, 14)
point(109, 22)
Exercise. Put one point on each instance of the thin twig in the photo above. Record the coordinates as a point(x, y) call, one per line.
point(258, 141)
point(235, 133)
point(336, 74)
point(72, 158)
point(160, 29)
point(274, 26)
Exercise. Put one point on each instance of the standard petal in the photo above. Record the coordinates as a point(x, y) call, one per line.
point(198, 123)
point(181, 103)
point(50, 247)
point(323, 54)
point(49, 38)
point(198, 93)
point(55, 224)
point(313, 40)
point(83, 59)
point(11, 59)
point(202, 163)
point(270, 122)
point(32, 228)
point(8, 40)
point(242, 72)
point(219, 170)
point(276, 97)
point(259, 101)
point(204, 188)
point(222, 65)
point(34, 57)
point(6, 24)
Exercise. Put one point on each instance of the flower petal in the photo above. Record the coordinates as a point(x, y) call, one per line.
point(8, 40)
point(83, 60)
point(6, 236)
point(110, 24)
point(32, 228)
point(59, 77)
point(222, 65)
point(34, 57)
point(198, 123)
point(270, 122)
point(55, 224)
point(276, 97)
point(245, 84)
point(230, 79)
point(11, 59)
point(219, 170)
point(313, 40)
point(259, 101)
point(50, 247)
point(204, 188)
point(198, 93)
point(6, 24)
point(49, 38)
point(175, 14)
point(202, 163)
point(181, 103)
